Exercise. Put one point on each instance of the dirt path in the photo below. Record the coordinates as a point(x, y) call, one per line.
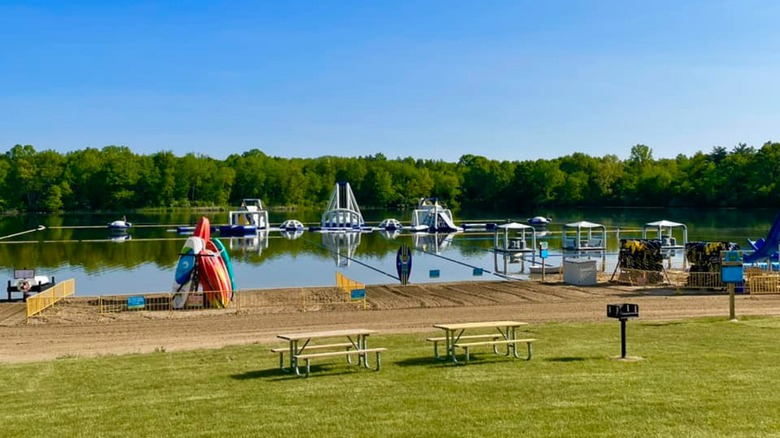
point(74, 328)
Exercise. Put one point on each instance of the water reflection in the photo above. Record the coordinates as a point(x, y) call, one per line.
point(249, 244)
point(389, 234)
point(119, 237)
point(342, 245)
point(291, 235)
point(433, 242)
point(80, 247)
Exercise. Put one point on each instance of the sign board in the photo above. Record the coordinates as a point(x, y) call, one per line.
point(731, 267)
point(732, 258)
point(357, 294)
point(194, 300)
point(543, 251)
point(477, 272)
point(434, 273)
point(136, 302)
point(731, 274)
point(24, 273)
point(403, 263)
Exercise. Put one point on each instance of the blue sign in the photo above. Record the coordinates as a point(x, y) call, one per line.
point(731, 274)
point(477, 272)
point(136, 302)
point(544, 253)
point(433, 273)
point(357, 294)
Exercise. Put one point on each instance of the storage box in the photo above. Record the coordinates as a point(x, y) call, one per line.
point(579, 272)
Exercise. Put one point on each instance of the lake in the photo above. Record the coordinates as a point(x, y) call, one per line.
point(80, 246)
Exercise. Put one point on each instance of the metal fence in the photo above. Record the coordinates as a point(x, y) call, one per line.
point(39, 302)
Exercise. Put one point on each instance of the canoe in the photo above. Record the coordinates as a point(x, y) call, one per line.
point(184, 269)
point(218, 247)
point(203, 229)
point(214, 279)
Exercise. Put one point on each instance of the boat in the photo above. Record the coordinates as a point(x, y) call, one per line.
point(544, 269)
point(584, 236)
point(513, 237)
point(390, 224)
point(539, 220)
point(185, 267)
point(291, 225)
point(665, 232)
point(432, 217)
point(250, 218)
point(203, 263)
point(342, 213)
point(27, 282)
point(120, 225)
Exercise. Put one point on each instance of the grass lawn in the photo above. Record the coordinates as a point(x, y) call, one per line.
point(697, 378)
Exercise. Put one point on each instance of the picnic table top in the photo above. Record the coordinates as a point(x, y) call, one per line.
point(480, 324)
point(326, 334)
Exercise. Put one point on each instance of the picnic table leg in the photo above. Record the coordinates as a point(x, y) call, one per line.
point(514, 344)
point(451, 344)
point(293, 359)
point(356, 343)
point(378, 361)
point(530, 350)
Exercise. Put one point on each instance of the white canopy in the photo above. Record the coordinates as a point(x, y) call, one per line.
point(584, 224)
point(665, 230)
point(514, 226)
point(584, 237)
point(664, 223)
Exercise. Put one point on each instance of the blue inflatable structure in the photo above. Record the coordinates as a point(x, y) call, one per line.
point(765, 248)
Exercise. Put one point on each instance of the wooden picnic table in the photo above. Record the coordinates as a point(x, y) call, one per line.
point(502, 333)
point(356, 343)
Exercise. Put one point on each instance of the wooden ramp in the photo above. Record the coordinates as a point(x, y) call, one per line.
point(13, 313)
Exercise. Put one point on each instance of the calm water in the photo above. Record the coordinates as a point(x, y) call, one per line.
point(80, 247)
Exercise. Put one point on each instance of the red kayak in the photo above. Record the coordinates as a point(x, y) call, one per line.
point(214, 278)
point(203, 230)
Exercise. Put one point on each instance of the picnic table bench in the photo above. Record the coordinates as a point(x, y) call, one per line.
point(300, 348)
point(455, 334)
point(436, 340)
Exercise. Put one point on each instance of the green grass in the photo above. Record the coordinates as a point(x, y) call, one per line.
point(697, 378)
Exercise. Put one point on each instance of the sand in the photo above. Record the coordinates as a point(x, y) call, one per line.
point(75, 327)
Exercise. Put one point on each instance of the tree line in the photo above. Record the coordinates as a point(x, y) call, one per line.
point(114, 178)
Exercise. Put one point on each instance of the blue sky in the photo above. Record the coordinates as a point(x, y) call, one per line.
point(508, 80)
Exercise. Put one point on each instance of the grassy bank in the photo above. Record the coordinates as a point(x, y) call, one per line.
point(699, 377)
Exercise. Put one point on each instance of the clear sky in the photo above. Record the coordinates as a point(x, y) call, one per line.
point(508, 80)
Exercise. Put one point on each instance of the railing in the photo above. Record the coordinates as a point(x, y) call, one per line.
point(40, 301)
point(703, 280)
point(354, 290)
point(640, 277)
point(347, 284)
point(135, 302)
point(764, 284)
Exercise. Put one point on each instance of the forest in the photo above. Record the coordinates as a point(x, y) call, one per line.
point(114, 178)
